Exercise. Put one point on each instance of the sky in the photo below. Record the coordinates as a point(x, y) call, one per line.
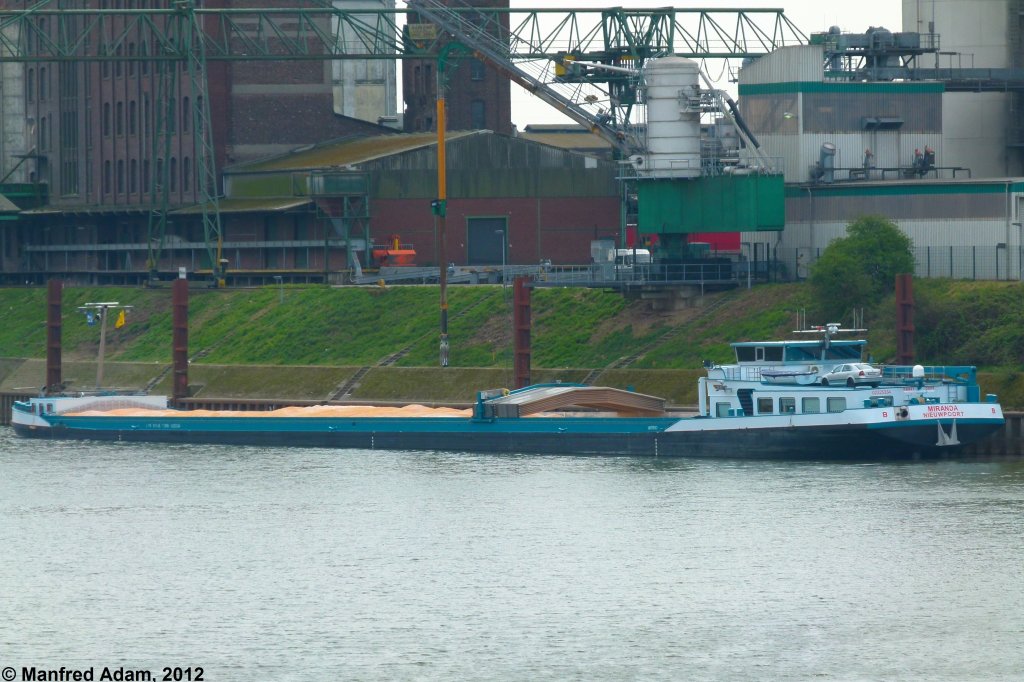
point(810, 16)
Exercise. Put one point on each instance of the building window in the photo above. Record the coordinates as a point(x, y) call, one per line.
point(43, 140)
point(186, 114)
point(765, 406)
point(145, 175)
point(133, 117)
point(145, 114)
point(106, 119)
point(106, 177)
point(43, 86)
point(478, 114)
point(174, 174)
point(186, 174)
point(477, 69)
point(133, 176)
point(120, 176)
point(30, 85)
point(120, 118)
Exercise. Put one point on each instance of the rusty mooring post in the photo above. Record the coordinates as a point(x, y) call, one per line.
point(53, 330)
point(521, 331)
point(904, 319)
point(179, 338)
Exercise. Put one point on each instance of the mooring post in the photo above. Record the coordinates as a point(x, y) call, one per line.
point(179, 338)
point(521, 331)
point(54, 293)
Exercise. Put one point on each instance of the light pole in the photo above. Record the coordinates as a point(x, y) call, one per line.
point(502, 233)
point(101, 310)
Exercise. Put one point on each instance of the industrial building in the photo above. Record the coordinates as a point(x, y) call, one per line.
point(922, 126)
point(913, 126)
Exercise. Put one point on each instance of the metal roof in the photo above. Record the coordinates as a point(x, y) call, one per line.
point(347, 152)
point(230, 205)
point(7, 206)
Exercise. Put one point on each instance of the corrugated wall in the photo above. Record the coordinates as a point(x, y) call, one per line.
point(494, 166)
point(794, 63)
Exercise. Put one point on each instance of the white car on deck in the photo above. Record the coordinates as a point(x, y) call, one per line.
point(852, 374)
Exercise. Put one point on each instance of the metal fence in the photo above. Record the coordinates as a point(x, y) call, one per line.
point(954, 262)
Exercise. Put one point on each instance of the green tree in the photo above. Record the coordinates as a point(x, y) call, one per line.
point(860, 268)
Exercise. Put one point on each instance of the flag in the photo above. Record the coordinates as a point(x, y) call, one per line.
point(120, 320)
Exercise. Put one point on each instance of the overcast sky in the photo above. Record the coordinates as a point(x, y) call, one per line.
point(810, 16)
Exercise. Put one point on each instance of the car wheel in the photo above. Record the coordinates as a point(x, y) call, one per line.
point(851, 383)
point(824, 382)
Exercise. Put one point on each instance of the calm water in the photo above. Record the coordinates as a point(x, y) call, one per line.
point(278, 564)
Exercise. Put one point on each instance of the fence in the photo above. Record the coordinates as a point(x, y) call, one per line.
point(955, 262)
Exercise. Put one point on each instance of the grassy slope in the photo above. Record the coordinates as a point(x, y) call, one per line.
point(319, 336)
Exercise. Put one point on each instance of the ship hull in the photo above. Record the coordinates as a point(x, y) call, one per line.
point(646, 437)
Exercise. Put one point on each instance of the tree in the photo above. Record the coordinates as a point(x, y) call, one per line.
point(861, 268)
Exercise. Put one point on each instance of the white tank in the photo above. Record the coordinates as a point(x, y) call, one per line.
point(673, 119)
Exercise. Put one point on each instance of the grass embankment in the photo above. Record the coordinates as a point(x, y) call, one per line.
point(251, 343)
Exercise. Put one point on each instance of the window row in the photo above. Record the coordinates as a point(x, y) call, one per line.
point(767, 405)
point(115, 121)
point(121, 177)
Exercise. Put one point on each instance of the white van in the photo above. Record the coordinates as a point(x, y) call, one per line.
point(630, 257)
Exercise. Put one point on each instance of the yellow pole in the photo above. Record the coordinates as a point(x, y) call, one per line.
point(442, 197)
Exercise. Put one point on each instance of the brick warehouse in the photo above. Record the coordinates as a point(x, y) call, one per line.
point(92, 127)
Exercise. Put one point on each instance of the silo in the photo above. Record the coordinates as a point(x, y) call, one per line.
point(673, 119)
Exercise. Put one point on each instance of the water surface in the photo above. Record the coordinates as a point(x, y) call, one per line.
point(309, 564)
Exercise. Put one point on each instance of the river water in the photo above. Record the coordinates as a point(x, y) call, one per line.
point(305, 564)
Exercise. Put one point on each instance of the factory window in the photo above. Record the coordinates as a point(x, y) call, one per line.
point(106, 177)
point(171, 107)
point(477, 69)
point(43, 86)
point(478, 114)
point(810, 405)
point(120, 176)
point(145, 114)
point(159, 173)
point(30, 85)
point(133, 176)
point(186, 114)
point(133, 117)
point(106, 119)
point(186, 174)
point(765, 406)
point(119, 122)
point(44, 142)
point(174, 174)
point(145, 175)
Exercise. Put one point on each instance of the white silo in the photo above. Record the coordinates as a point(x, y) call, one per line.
point(673, 119)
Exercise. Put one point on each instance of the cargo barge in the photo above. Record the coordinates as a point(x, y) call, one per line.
point(776, 401)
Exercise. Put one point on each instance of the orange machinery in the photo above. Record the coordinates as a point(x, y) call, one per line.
point(393, 254)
